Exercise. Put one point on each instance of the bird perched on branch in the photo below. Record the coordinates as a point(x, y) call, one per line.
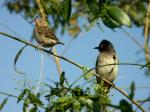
point(44, 35)
point(106, 56)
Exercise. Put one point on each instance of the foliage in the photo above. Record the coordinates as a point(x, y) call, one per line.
point(63, 97)
point(3, 103)
point(67, 13)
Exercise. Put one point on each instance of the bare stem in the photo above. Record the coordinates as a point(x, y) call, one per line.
point(57, 62)
point(146, 27)
point(41, 9)
point(133, 38)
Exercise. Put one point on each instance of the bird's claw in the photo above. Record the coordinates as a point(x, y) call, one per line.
point(50, 51)
point(38, 47)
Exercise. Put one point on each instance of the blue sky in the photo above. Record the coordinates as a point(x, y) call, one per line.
point(80, 51)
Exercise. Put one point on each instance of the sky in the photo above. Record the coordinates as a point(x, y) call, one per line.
point(80, 51)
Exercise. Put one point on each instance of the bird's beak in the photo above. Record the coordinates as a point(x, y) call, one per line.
point(33, 19)
point(96, 47)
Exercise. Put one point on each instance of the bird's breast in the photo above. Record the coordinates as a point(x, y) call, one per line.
point(108, 72)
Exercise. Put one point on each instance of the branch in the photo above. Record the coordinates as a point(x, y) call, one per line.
point(79, 66)
point(57, 61)
point(133, 38)
point(137, 87)
point(146, 27)
point(41, 49)
point(7, 94)
point(41, 9)
point(112, 84)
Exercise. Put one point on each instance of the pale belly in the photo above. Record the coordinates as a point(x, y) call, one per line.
point(107, 72)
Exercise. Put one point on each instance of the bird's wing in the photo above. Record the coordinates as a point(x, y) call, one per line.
point(115, 59)
point(49, 34)
point(97, 78)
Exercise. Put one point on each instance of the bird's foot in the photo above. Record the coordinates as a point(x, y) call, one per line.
point(50, 51)
point(38, 47)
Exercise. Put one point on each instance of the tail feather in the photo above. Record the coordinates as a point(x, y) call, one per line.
point(59, 42)
point(103, 108)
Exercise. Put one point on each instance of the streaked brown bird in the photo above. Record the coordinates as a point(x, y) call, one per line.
point(44, 35)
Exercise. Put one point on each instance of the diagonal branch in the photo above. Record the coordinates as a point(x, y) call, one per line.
point(146, 28)
point(79, 66)
point(41, 49)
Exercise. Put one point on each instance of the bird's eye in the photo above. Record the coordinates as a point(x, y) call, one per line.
point(102, 46)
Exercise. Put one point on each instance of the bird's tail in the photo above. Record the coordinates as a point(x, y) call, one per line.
point(103, 108)
point(59, 42)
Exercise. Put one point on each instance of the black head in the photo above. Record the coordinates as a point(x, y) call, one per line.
point(105, 46)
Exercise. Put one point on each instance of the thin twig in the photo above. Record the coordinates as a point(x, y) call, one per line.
point(8, 94)
point(41, 74)
point(10, 29)
point(133, 38)
point(132, 64)
point(146, 27)
point(137, 87)
point(69, 44)
point(142, 102)
point(57, 61)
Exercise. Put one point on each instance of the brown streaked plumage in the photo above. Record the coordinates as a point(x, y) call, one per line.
point(44, 35)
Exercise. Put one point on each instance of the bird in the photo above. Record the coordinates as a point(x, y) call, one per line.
point(107, 55)
point(44, 35)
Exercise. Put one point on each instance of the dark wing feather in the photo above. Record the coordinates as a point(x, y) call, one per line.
point(48, 33)
point(97, 78)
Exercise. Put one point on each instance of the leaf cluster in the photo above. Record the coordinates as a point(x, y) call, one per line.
point(67, 13)
point(62, 97)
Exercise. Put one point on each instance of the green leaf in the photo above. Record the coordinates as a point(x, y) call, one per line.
point(125, 106)
point(132, 89)
point(3, 103)
point(16, 59)
point(67, 10)
point(87, 74)
point(34, 109)
point(34, 99)
point(63, 99)
point(91, 3)
point(118, 15)
point(21, 96)
point(62, 78)
point(78, 91)
point(109, 22)
point(26, 104)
